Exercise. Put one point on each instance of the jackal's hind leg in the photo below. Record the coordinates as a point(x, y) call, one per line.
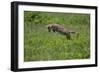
point(68, 36)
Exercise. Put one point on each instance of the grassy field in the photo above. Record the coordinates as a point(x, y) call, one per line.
point(41, 45)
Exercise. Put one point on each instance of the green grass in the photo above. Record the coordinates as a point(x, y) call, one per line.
point(41, 45)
